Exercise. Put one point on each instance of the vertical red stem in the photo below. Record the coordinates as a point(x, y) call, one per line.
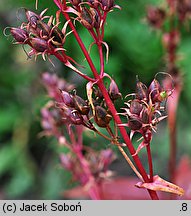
point(150, 162)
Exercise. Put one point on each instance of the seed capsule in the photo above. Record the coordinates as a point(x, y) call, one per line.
point(145, 117)
point(39, 44)
point(87, 18)
point(154, 90)
point(81, 105)
point(107, 4)
point(114, 91)
point(73, 116)
point(102, 118)
point(32, 17)
point(67, 99)
point(134, 123)
point(57, 35)
point(141, 90)
point(19, 34)
point(136, 107)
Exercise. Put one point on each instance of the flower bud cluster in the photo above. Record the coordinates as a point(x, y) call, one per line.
point(144, 112)
point(42, 36)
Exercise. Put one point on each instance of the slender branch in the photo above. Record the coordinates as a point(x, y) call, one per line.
point(150, 162)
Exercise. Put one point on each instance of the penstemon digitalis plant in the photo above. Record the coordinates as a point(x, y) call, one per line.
point(68, 113)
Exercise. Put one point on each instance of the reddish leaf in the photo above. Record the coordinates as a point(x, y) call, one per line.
point(121, 188)
point(160, 184)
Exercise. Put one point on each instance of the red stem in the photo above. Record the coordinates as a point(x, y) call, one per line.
point(108, 101)
point(150, 162)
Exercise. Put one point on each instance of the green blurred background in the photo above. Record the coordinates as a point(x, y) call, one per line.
point(29, 165)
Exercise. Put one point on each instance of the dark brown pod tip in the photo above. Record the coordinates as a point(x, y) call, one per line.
point(102, 118)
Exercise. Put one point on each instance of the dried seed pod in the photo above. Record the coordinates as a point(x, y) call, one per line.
point(67, 99)
point(58, 36)
point(135, 107)
point(154, 90)
point(107, 4)
point(32, 17)
point(114, 91)
point(102, 118)
point(42, 28)
point(141, 91)
point(134, 123)
point(76, 118)
point(87, 18)
point(19, 34)
point(81, 105)
point(39, 44)
point(72, 115)
point(145, 116)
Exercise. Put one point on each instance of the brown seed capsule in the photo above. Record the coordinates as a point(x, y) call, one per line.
point(135, 107)
point(114, 91)
point(154, 91)
point(39, 44)
point(58, 36)
point(42, 28)
point(81, 105)
point(86, 18)
point(141, 91)
point(67, 99)
point(102, 118)
point(73, 116)
point(32, 18)
point(107, 4)
point(76, 118)
point(134, 123)
point(145, 117)
point(19, 34)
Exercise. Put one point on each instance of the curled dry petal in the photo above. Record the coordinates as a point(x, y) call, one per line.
point(160, 184)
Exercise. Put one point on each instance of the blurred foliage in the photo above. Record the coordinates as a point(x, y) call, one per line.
point(29, 165)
